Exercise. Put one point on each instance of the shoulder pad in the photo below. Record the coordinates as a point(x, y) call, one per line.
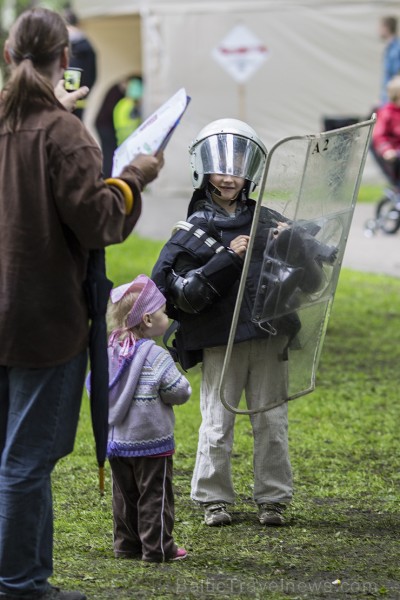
point(194, 239)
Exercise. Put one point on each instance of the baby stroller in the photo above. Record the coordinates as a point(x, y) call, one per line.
point(387, 212)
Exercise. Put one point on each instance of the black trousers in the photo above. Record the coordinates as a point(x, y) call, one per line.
point(391, 168)
point(143, 507)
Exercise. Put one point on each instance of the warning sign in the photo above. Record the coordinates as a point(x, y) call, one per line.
point(240, 53)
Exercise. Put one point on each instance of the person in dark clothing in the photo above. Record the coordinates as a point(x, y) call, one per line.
point(105, 126)
point(391, 54)
point(83, 56)
point(198, 271)
point(104, 121)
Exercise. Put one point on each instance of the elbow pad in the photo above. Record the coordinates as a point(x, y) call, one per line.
point(200, 287)
point(190, 293)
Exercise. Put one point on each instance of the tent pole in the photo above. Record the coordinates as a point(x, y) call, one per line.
point(242, 101)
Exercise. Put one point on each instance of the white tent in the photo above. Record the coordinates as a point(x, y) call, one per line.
point(304, 60)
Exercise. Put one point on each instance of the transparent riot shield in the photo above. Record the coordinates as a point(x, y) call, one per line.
point(301, 224)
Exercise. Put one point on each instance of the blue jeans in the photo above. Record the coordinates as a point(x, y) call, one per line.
point(39, 412)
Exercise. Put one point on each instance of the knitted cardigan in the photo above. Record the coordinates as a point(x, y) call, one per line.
point(142, 390)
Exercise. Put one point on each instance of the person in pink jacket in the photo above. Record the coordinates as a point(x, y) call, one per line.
point(386, 134)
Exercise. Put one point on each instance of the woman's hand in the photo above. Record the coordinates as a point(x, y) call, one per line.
point(148, 166)
point(69, 99)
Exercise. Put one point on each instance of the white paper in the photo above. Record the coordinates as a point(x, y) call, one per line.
point(153, 134)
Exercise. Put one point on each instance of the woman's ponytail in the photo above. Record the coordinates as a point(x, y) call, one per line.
point(36, 40)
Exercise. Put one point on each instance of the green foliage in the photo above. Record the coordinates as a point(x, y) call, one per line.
point(135, 256)
point(342, 536)
point(19, 7)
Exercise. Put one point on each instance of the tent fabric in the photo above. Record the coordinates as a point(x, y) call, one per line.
point(322, 59)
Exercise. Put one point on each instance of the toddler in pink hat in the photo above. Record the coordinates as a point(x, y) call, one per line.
point(144, 385)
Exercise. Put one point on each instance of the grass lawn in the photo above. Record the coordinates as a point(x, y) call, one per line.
point(342, 539)
point(370, 193)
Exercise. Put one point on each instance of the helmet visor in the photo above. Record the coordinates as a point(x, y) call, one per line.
point(229, 154)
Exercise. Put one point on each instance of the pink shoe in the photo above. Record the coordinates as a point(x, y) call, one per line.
point(181, 554)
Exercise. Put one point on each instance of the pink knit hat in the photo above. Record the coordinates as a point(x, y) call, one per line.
point(150, 298)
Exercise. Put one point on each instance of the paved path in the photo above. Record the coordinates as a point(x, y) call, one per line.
point(377, 254)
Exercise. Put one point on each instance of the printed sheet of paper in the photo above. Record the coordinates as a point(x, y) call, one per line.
point(153, 134)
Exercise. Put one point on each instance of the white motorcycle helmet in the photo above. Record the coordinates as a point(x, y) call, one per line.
point(227, 147)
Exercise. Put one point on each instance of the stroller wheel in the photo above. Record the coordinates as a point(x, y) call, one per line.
point(388, 216)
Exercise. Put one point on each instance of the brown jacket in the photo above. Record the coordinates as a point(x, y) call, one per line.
point(54, 207)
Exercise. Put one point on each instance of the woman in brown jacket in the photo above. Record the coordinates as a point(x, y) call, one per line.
point(54, 208)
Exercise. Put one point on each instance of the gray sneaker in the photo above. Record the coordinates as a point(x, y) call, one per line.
point(216, 515)
point(271, 513)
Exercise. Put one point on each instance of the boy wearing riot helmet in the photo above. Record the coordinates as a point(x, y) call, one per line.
point(198, 271)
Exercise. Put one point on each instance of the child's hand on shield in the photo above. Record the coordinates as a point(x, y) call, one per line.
point(239, 244)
